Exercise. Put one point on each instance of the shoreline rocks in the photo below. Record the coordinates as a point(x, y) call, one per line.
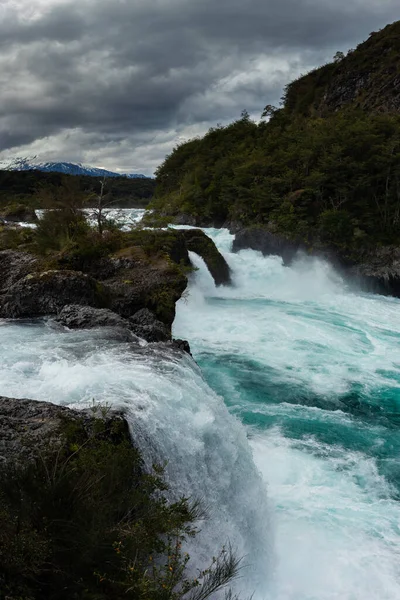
point(377, 270)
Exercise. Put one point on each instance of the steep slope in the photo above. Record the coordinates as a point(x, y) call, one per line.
point(323, 173)
point(367, 78)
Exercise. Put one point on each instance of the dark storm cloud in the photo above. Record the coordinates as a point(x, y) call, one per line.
point(115, 73)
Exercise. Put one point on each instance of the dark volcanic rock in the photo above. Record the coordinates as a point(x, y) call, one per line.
point(266, 242)
point(145, 325)
point(75, 316)
point(46, 293)
point(13, 267)
point(27, 426)
point(197, 241)
point(374, 269)
point(156, 287)
point(379, 270)
point(182, 345)
point(125, 285)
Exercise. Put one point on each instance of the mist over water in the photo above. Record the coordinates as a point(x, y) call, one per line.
point(288, 432)
point(173, 414)
point(312, 370)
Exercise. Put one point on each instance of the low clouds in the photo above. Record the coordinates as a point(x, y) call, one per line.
point(117, 83)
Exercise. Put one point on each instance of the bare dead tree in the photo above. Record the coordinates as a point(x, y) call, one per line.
point(103, 202)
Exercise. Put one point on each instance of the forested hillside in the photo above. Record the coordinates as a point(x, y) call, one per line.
point(326, 165)
point(27, 187)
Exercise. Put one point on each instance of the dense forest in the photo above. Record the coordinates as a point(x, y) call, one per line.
point(326, 165)
point(30, 188)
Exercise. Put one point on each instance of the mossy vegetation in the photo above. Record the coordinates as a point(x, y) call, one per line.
point(84, 520)
point(197, 241)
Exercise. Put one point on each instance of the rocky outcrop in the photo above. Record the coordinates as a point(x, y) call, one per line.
point(379, 270)
point(136, 288)
point(266, 242)
point(145, 285)
point(29, 426)
point(14, 266)
point(75, 316)
point(197, 241)
point(145, 325)
point(123, 285)
point(46, 293)
point(376, 270)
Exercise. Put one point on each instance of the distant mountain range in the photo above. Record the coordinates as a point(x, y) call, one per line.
point(31, 164)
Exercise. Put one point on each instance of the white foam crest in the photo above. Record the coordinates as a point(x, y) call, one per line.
point(334, 539)
point(336, 525)
point(173, 414)
point(300, 321)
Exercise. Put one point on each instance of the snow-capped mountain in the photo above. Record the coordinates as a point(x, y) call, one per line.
point(31, 164)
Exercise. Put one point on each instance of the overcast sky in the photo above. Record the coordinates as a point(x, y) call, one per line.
point(117, 83)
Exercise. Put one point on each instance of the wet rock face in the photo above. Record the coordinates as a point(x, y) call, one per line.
point(197, 241)
point(182, 345)
point(379, 270)
point(27, 426)
point(375, 270)
point(40, 294)
point(75, 316)
point(145, 325)
point(266, 242)
point(13, 266)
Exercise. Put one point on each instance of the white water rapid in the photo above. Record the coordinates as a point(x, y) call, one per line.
point(289, 433)
point(313, 372)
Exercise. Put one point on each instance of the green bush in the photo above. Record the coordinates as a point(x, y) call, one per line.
point(85, 521)
point(59, 229)
point(336, 227)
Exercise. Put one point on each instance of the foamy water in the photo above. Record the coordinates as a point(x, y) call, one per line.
point(289, 433)
point(313, 371)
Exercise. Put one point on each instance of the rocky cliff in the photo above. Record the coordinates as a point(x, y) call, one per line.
point(377, 269)
point(367, 78)
point(135, 288)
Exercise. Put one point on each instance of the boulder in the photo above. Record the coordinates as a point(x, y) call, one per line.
point(75, 316)
point(258, 238)
point(46, 293)
point(14, 266)
point(145, 325)
point(182, 345)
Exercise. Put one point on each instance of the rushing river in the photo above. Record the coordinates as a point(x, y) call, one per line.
point(289, 433)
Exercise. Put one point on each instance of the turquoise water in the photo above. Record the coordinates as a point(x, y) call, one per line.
point(289, 434)
point(312, 370)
